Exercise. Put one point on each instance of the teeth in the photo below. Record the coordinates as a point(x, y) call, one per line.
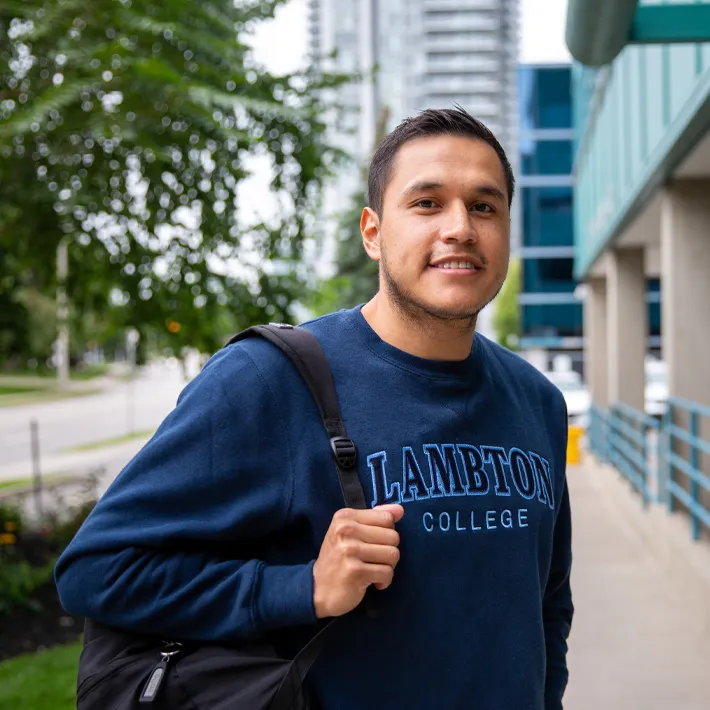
point(456, 265)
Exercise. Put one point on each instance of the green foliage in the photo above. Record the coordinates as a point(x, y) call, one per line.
point(20, 580)
point(41, 681)
point(126, 127)
point(357, 277)
point(506, 316)
point(28, 557)
point(11, 520)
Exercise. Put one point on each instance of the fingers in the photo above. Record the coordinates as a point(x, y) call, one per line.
point(373, 554)
point(384, 516)
point(375, 536)
point(379, 575)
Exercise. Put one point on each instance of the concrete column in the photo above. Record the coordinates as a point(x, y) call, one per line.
point(685, 283)
point(627, 327)
point(595, 341)
point(685, 308)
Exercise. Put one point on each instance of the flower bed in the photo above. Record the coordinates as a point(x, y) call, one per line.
point(31, 617)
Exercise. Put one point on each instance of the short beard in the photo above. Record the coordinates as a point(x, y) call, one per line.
point(422, 315)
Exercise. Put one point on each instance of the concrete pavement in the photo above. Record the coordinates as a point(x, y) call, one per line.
point(641, 588)
point(71, 422)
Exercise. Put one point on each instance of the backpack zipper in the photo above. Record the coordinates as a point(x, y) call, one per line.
point(156, 679)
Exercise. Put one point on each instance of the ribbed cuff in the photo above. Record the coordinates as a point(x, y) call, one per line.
point(285, 596)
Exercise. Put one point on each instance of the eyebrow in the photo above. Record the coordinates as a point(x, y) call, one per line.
point(423, 185)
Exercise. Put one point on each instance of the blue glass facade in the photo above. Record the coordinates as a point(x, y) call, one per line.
point(551, 315)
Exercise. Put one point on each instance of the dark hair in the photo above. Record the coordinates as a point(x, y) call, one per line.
point(431, 122)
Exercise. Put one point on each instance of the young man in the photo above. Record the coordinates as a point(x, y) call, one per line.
point(227, 524)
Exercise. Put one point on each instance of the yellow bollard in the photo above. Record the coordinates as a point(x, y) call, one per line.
point(574, 450)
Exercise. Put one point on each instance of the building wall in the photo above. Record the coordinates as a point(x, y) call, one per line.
point(551, 313)
point(635, 120)
point(428, 54)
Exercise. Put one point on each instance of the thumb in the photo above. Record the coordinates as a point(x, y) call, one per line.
point(397, 511)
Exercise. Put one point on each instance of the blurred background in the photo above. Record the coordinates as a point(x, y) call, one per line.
point(174, 172)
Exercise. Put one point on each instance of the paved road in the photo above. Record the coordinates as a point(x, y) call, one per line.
point(82, 420)
point(641, 634)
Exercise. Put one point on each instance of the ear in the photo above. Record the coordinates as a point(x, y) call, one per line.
point(370, 230)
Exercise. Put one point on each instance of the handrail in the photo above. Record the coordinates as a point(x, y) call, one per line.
point(629, 450)
point(693, 407)
point(695, 478)
point(662, 459)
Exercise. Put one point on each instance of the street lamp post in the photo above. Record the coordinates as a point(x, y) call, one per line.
point(62, 352)
point(132, 338)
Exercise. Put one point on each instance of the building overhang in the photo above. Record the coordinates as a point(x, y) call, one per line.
point(597, 30)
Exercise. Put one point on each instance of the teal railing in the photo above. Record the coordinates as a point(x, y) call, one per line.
point(666, 461)
point(683, 451)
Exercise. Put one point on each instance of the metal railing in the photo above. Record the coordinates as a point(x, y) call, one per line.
point(678, 441)
point(662, 459)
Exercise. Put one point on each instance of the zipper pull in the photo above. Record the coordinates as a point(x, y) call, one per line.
point(156, 679)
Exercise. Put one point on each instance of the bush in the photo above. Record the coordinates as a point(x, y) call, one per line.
point(28, 557)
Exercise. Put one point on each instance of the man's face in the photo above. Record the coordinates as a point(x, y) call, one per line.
point(444, 235)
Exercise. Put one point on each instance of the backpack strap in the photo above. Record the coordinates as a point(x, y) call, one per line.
point(304, 351)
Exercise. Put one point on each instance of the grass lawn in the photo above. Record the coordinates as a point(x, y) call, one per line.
point(84, 373)
point(44, 394)
point(17, 482)
point(47, 478)
point(19, 389)
point(114, 441)
point(40, 681)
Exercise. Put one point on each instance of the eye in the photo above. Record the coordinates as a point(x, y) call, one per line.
point(482, 207)
point(425, 204)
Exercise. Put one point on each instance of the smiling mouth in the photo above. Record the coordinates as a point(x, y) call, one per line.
point(456, 266)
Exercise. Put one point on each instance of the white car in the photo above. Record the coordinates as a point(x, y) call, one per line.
point(656, 391)
point(575, 393)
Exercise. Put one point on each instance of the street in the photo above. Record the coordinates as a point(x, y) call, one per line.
point(64, 424)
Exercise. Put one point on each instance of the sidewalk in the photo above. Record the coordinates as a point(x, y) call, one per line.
point(641, 587)
point(111, 458)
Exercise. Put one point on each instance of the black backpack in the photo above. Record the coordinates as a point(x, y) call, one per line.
point(128, 671)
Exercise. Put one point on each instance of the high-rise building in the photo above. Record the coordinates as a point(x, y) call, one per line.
point(551, 314)
point(550, 300)
point(427, 53)
point(416, 54)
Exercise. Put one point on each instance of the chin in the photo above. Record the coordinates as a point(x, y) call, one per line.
point(453, 310)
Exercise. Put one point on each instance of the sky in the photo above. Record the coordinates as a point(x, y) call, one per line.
point(281, 44)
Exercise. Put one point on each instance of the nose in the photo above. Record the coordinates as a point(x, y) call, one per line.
point(457, 225)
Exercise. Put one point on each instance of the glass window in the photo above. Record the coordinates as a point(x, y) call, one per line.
point(654, 308)
point(548, 275)
point(545, 97)
point(458, 14)
point(546, 157)
point(553, 99)
point(547, 216)
point(554, 319)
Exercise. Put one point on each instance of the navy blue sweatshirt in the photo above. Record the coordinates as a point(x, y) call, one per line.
point(211, 531)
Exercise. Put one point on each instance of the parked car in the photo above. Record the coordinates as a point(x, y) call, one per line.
point(656, 390)
point(576, 395)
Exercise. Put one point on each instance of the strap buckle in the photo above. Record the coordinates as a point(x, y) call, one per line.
point(344, 451)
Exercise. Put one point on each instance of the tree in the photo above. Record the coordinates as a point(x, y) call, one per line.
point(506, 316)
point(357, 276)
point(125, 126)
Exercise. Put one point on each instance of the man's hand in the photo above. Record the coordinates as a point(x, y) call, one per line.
point(360, 549)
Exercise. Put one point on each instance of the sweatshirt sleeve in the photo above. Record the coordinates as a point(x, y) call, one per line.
point(216, 476)
point(557, 608)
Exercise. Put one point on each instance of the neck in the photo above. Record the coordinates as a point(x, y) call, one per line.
point(421, 335)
